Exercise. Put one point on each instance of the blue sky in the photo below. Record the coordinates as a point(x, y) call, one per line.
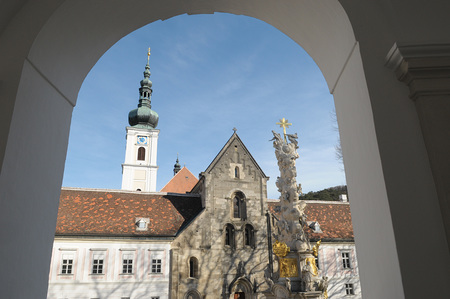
point(210, 73)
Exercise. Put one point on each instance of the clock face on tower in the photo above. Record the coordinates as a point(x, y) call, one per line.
point(142, 139)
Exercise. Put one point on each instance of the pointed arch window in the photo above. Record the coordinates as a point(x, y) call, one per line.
point(239, 206)
point(249, 236)
point(141, 154)
point(193, 267)
point(229, 235)
point(236, 172)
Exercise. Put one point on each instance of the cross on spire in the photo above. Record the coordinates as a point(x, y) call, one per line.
point(284, 124)
point(148, 55)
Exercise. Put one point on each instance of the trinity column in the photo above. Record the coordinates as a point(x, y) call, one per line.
point(297, 273)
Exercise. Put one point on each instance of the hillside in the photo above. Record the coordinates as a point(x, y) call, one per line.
point(329, 194)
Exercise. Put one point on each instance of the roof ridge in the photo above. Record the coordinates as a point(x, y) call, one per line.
point(112, 190)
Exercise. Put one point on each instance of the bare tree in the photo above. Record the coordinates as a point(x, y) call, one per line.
point(337, 147)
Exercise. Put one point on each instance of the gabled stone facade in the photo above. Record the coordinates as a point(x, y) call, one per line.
point(224, 252)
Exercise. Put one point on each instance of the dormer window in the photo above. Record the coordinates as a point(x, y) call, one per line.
point(315, 226)
point(142, 224)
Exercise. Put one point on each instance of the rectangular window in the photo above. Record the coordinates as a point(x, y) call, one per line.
point(317, 261)
point(349, 289)
point(97, 264)
point(67, 264)
point(156, 266)
point(127, 264)
point(346, 260)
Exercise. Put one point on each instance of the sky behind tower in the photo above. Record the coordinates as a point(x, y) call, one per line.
point(210, 73)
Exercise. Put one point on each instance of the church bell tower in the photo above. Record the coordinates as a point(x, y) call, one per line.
point(139, 169)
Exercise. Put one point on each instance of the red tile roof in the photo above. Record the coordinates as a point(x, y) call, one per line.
point(114, 213)
point(182, 182)
point(334, 219)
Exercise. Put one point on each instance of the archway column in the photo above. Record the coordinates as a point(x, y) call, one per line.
point(425, 70)
point(30, 184)
point(375, 235)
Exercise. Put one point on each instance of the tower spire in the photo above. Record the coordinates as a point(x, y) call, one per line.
point(144, 117)
point(176, 167)
point(140, 169)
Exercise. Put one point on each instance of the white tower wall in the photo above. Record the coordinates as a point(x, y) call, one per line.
point(140, 174)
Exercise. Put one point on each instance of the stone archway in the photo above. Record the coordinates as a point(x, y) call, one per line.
point(241, 288)
point(192, 294)
point(48, 48)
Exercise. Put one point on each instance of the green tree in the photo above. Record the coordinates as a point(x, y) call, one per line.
point(328, 194)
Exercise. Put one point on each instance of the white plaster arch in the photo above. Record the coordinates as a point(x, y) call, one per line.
point(48, 47)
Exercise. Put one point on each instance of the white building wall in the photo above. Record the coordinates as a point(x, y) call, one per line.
point(331, 266)
point(112, 283)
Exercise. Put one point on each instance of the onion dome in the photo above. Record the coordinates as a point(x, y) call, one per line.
point(143, 116)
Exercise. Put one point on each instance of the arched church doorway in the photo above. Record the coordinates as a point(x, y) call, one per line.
point(241, 289)
point(373, 111)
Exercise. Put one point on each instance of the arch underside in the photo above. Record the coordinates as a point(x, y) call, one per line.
point(314, 25)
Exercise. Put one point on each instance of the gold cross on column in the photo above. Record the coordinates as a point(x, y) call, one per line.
point(284, 124)
point(148, 55)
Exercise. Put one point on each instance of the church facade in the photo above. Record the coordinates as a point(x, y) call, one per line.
point(224, 253)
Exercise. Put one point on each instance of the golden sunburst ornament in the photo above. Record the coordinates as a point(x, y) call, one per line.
point(280, 249)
